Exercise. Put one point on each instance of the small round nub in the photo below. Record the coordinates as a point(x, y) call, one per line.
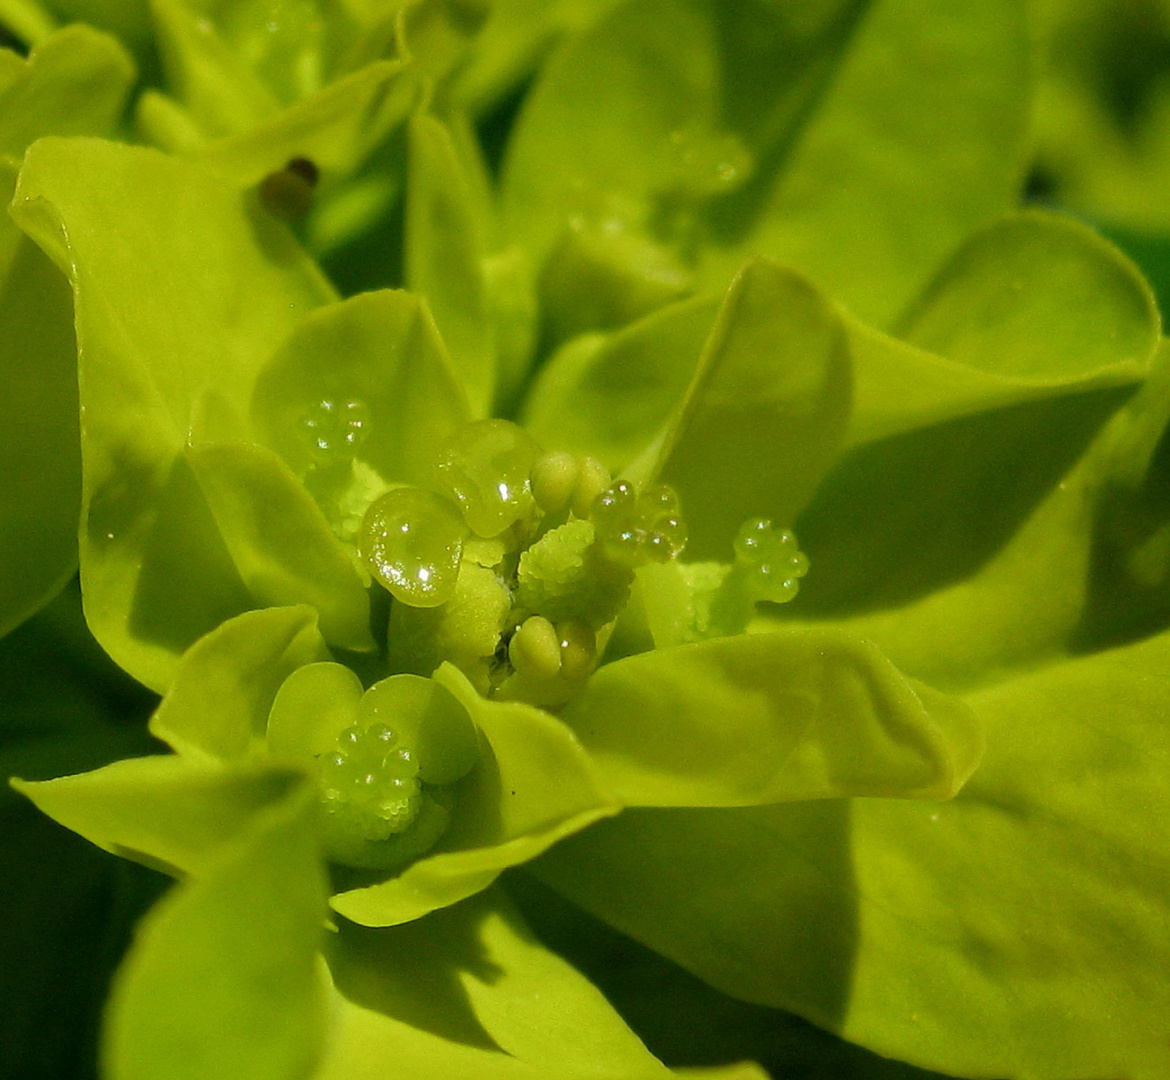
point(578, 645)
point(554, 479)
point(593, 480)
point(535, 649)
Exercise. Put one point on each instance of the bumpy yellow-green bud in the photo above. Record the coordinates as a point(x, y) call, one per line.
point(370, 784)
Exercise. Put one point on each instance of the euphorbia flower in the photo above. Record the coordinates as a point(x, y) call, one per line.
point(405, 646)
point(521, 571)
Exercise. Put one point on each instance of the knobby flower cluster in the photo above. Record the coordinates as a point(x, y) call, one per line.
point(630, 467)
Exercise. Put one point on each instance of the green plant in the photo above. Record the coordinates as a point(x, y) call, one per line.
point(455, 379)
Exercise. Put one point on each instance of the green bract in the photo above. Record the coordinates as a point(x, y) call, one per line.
point(640, 448)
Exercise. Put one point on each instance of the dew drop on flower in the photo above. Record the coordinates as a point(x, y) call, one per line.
point(335, 429)
point(707, 162)
point(769, 561)
point(486, 468)
point(412, 541)
point(383, 735)
point(638, 527)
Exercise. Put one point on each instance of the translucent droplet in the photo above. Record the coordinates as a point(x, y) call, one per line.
point(630, 540)
point(634, 528)
point(335, 429)
point(753, 535)
point(412, 541)
point(435, 728)
point(769, 560)
point(616, 505)
point(674, 531)
point(400, 763)
point(707, 162)
point(383, 735)
point(658, 500)
point(486, 468)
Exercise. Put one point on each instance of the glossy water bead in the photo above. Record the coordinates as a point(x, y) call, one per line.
point(412, 541)
point(638, 527)
point(485, 468)
point(770, 560)
point(335, 428)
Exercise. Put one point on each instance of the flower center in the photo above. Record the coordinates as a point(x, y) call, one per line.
point(516, 563)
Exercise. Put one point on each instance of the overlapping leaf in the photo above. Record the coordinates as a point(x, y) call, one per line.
point(162, 810)
point(779, 717)
point(765, 412)
point(382, 351)
point(74, 82)
point(468, 991)
point(1018, 930)
point(185, 1002)
point(884, 530)
point(157, 253)
point(671, 124)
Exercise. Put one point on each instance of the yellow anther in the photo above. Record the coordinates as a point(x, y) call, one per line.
point(594, 478)
point(554, 480)
point(536, 649)
point(578, 649)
